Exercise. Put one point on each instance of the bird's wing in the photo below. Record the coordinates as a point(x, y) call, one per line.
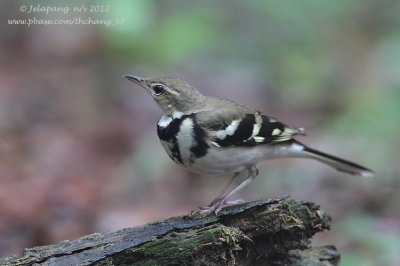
point(230, 128)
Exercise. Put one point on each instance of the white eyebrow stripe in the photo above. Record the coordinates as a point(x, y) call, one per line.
point(174, 92)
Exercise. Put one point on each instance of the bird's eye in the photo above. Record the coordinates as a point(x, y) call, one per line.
point(158, 89)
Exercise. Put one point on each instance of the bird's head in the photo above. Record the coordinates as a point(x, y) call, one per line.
point(171, 94)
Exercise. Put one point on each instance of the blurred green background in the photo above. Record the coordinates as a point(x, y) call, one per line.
point(78, 146)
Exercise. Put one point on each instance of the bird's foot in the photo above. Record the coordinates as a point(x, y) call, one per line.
point(216, 206)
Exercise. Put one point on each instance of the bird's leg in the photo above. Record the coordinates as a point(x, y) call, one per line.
point(253, 172)
point(209, 207)
point(221, 201)
point(223, 191)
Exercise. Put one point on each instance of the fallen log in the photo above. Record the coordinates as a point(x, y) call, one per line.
point(264, 232)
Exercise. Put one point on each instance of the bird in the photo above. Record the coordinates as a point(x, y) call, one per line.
point(219, 137)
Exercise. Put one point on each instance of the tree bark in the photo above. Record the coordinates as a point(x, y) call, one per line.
point(264, 232)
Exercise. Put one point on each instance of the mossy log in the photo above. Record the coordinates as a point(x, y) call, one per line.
point(265, 232)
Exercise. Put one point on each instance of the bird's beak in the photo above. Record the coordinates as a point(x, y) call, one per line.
point(138, 80)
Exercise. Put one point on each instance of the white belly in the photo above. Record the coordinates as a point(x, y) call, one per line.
point(230, 160)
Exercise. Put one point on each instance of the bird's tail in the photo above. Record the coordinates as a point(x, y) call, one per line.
point(337, 163)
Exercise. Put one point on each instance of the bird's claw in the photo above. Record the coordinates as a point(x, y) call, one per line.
point(216, 206)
